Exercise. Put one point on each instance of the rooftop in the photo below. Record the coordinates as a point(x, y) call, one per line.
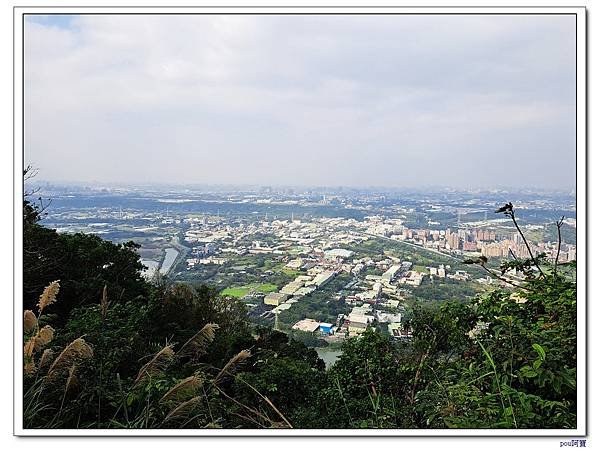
point(308, 325)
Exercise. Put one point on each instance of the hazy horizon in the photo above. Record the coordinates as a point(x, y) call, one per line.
point(381, 101)
point(97, 184)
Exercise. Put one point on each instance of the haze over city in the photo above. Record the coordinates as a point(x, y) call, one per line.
point(382, 100)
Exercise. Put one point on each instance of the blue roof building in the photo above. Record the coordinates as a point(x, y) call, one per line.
point(326, 328)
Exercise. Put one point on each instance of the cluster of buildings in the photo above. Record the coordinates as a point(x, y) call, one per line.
point(318, 238)
point(302, 285)
point(357, 322)
point(316, 250)
point(295, 290)
point(373, 299)
point(481, 241)
point(324, 238)
point(508, 247)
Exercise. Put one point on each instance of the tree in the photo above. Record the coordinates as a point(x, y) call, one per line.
point(84, 263)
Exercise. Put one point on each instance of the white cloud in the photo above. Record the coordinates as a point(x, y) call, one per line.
point(301, 99)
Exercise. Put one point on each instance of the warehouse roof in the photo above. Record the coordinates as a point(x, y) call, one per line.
point(308, 325)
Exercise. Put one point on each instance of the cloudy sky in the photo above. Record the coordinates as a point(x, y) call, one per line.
point(402, 101)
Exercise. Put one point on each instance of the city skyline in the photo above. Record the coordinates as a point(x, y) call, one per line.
point(386, 100)
point(37, 182)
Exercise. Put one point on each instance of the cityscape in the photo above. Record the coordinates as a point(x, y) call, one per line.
point(328, 264)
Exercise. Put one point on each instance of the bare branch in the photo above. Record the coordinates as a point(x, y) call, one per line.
point(511, 214)
point(29, 172)
point(559, 224)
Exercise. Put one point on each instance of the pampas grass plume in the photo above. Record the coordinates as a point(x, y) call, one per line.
point(46, 358)
point(30, 347)
point(157, 364)
point(104, 302)
point(46, 335)
point(49, 295)
point(185, 386)
point(29, 321)
point(182, 409)
point(72, 353)
point(232, 365)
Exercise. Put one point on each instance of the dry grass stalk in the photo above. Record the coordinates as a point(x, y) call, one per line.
point(73, 353)
point(270, 403)
point(30, 367)
point(31, 324)
point(232, 365)
point(46, 358)
point(38, 343)
point(185, 386)
point(157, 364)
point(71, 379)
point(46, 334)
point(182, 409)
point(198, 344)
point(49, 295)
point(104, 302)
point(29, 347)
point(29, 321)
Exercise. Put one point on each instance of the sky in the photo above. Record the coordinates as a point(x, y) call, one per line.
point(329, 100)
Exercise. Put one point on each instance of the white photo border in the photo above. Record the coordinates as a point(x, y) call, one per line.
point(581, 205)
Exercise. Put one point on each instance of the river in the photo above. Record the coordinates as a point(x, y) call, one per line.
point(328, 355)
point(170, 255)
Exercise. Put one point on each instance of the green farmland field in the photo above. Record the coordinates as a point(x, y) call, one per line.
point(240, 291)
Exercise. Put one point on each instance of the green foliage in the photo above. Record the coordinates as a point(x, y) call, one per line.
point(308, 339)
point(178, 311)
point(440, 290)
point(518, 367)
point(367, 386)
point(84, 264)
point(120, 338)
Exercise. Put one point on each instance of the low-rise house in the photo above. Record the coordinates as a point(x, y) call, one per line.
point(323, 278)
point(392, 303)
point(292, 287)
point(338, 253)
point(275, 298)
point(391, 273)
point(295, 264)
point(306, 325)
point(305, 290)
point(357, 325)
point(384, 317)
point(326, 328)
